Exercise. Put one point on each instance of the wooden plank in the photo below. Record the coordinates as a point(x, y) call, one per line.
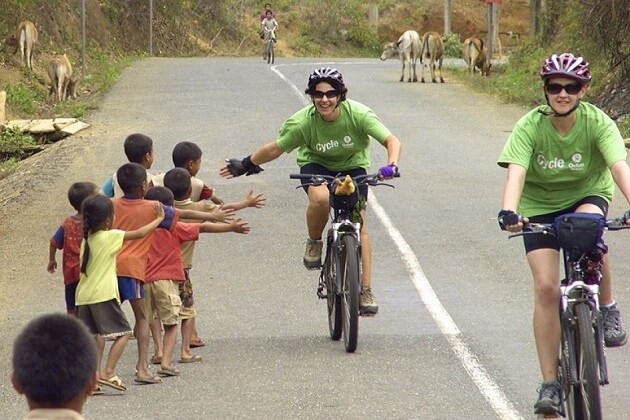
point(41, 126)
point(75, 127)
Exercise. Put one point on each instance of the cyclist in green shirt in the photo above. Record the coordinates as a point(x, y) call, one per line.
point(331, 136)
point(562, 157)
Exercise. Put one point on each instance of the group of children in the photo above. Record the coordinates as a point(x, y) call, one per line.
point(133, 240)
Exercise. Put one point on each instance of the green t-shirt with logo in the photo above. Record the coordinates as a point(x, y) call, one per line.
point(338, 145)
point(562, 170)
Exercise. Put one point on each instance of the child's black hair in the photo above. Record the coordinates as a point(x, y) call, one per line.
point(79, 191)
point(54, 359)
point(130, 177)
point(137, 146)
point(178, 181)
point(184, 152)
point(97, 209)
point(161, 194)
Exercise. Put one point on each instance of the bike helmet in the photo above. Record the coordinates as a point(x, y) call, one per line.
point(566, 65)
point(329, 75)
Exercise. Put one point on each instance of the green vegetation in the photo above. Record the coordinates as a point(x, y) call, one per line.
point(14, 143)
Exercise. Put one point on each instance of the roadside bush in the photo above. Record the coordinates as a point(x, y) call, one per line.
point(452, 46)
point(13, 143)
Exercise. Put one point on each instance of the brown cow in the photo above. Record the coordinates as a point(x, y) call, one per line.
point(433, 49)
point(475, 55)
point(24, 41)
point(60, 74)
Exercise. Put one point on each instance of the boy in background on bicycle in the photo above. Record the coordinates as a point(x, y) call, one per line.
point(562, 157)
point(332, 136)
point(268, 24)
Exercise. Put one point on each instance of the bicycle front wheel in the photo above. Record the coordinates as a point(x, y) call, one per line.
point(349, 269)
point(333, 295)
point(587, 365)
point(270, 54)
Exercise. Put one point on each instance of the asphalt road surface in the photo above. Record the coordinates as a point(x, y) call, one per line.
point(453, 336)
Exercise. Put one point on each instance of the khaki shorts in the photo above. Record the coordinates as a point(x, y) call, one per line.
point(161, 297)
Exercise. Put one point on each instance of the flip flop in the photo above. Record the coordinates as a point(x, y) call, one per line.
point(114, 382)
point(156, 360)
point(168, 372)
point(146, 380)
point(197, 343)
point(193, 359)
point(98, 390)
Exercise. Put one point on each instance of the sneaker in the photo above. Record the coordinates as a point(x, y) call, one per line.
point(313, 254)
point(367, 302)
point(548, 399)
point(614, 331)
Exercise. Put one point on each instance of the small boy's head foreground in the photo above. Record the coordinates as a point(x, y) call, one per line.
point(161, 194)
point(54, 362)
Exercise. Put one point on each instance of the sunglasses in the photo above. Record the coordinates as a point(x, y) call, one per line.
point(556, 88)
point(318, 94)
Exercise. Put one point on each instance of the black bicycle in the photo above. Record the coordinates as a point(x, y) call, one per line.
point(582, 365)
point(340, 276)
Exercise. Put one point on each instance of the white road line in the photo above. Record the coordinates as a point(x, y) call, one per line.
point(488, 387)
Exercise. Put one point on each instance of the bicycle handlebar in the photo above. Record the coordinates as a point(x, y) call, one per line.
point(618, 223)
point(368, 179)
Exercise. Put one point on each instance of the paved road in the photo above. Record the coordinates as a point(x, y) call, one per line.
point(453, 337)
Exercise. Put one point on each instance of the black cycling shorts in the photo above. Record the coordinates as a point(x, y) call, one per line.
point(317, 169)
point(533, 242)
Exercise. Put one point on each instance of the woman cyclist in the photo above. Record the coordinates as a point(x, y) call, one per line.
point(332, 136)
point(562, 157)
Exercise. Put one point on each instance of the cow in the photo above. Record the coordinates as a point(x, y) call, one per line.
point(62, 84)
point(475, 56)
point(407, 48)
point(433, 50)
point(24, 41)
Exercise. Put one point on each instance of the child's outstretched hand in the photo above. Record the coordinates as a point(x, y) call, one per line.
point(159, 210)
point(257, 200)
point(223, 215)
point(240, 226)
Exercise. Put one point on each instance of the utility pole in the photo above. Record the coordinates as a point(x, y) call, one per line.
point(83, 41)
point(492, 7)
point(447, 17)
point(151, 28)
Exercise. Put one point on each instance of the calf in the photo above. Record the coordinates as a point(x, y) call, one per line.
point(24, 41)
point(407, 48)
point(432, 49)
point(475, 56)
point(60, 73)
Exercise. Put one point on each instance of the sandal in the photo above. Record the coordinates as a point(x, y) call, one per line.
point(156, 360)
point(98, 390)
point(170, 371)
point(114, 382)
point(197, 343)
point(192, 359)
point(145, 380)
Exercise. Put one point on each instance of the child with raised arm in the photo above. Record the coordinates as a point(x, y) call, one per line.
point(165, 272)
point(97, 298)
point(138, 149)
point(133, 211)
point(68, 237)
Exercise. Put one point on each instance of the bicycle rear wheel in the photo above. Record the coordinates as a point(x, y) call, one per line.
point(587, 365)
point(349, 269)
point(333, 297)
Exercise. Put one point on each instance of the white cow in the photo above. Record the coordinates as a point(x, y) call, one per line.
point(24, 41)
point(60, 73)
point(408, 49)
point(475, 55)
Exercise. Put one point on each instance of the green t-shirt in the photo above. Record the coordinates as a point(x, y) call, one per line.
point(338, 145)
point(563, 170)
point(101, 283)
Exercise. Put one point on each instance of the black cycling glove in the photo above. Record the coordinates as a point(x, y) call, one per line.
point(243, 167)
point(507, 218)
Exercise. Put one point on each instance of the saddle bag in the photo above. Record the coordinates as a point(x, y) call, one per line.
point(578, 233)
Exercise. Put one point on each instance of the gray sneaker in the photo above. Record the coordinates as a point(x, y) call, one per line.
point(614, 330)
point(367, 302)
point(313, 254)
point(548, 399)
